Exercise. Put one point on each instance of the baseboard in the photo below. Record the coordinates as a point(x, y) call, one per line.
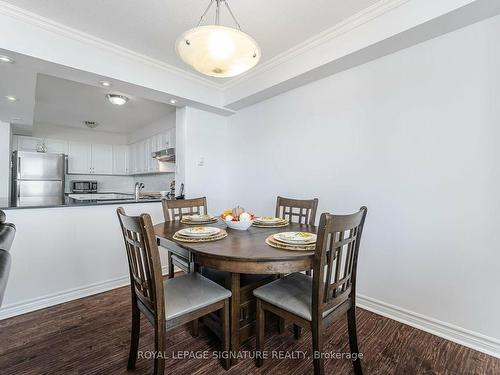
point(473, 340)
point(49, 300)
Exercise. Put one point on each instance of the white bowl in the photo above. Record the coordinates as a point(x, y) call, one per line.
point(239, 225)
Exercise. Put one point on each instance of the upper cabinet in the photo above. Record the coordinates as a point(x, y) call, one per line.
point(79, 157)
point(140, 157)
point(102, 159)
point(106, 159)
point(121, 160)
point(24, 143)
point(86, 158)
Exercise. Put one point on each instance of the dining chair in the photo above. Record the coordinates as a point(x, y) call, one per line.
point(169, 303)
point(7, 234)
point(316, 302)
point(302, 211)
point(175, 210)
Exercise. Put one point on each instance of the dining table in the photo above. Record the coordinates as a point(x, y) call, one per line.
point(242, 252)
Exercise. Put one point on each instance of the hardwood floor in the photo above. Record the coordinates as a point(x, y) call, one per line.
point(91, 336)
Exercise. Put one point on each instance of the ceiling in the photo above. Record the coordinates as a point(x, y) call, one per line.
point(152, 29)
point(63, 102)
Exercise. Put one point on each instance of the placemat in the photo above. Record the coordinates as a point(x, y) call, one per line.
point(271, 242)
point(219, 236)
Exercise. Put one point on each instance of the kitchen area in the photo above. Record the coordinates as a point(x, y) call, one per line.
point(121, 154)
point(75, 146)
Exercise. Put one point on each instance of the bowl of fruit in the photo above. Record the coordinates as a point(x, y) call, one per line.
point(237, 218)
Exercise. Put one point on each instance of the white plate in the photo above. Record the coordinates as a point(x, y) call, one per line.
point(199, 231)
point(269, 220)
point(199, 217)
point(295, 237)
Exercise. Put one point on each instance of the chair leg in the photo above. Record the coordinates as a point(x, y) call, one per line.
point(317, 340)
point(195, 332)
point(159, 361)
point(226, 338)
point(297, 330)
point(170, 265)
point(134, 339)
point(353, 339)
point(260, 333)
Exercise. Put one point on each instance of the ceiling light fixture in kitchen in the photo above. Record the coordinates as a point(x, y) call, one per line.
point(117, 99)
point(218, 51)
point(105, 83)
point(173, 101)
point(6, 59)
point(91, 124)
point(11, 98)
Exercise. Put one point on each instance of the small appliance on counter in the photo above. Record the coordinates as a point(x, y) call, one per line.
point(83, 186)
point(181, 192)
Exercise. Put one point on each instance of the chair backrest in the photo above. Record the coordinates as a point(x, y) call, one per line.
point(335, 260)
point(176, 209)
point(302, 211)
point(144, 262)
point(7, 234)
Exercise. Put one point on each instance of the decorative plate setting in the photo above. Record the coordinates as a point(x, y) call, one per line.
point(295, 238)
point(198, 219)
point(199, 231)
point(270, 222)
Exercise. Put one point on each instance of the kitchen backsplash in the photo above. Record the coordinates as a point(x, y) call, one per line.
point(124, 184)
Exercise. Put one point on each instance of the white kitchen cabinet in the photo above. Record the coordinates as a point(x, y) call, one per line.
point(147, 156)
point(56, 145)
point(153, 147)
point(102, 159)
point(121, 160)
point(79, 157)
point(133, 158)
point(27, 143)
point(140, 167)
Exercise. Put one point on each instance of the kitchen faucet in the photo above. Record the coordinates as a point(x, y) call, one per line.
point(138, 187)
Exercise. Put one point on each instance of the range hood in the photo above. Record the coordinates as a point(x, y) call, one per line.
point(167, 154)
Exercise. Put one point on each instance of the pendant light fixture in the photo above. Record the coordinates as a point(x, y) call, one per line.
point(218, 51)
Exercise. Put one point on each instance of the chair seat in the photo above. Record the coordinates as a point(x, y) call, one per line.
point(292, 293)
point(191, 292)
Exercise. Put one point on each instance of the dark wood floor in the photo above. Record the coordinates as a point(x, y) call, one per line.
point(91, 336)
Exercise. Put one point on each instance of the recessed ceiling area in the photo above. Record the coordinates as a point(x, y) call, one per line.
point(67, 103)
point(151, 30)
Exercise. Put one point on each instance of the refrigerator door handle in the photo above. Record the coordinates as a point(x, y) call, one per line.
point(18, 167)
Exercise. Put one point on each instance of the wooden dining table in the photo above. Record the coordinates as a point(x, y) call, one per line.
point(241, 252)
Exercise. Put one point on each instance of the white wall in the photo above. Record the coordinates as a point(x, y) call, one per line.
point(4, 159)
point(159, 126)
point(88, 256)
point(67, 133)
point(414, 136)
point(202, 136)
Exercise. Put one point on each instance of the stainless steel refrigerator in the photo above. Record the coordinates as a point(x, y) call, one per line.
point(37, 178)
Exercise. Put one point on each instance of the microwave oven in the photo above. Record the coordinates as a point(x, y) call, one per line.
point(83, 186)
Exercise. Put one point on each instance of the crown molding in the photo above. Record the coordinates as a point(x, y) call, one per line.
point(376, 10)
point(68, 32)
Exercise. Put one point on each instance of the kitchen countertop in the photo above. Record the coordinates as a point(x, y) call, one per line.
point(48, 202)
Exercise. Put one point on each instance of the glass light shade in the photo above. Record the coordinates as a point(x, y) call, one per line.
point(218, 51)
point(117, 99)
